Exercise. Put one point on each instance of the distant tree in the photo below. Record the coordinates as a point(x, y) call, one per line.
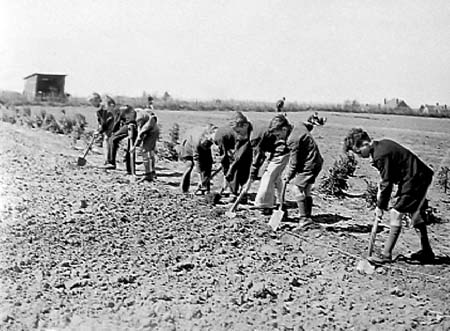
point(166, 96)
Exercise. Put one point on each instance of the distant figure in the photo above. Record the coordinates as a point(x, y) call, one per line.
point(315, 119)
point(150, 102)
point(280, 104)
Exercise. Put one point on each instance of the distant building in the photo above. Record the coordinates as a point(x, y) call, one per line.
point(395, 104)
point(434, 109)
point(44, 87)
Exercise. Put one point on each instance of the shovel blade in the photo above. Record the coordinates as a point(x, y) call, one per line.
point(276, 219)
point(81, 161)
point(365, 267)
point(230, 214)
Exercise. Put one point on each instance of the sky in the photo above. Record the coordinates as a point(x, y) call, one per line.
point(319, 51)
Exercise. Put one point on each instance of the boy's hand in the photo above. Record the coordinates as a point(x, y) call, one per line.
point(379, 212)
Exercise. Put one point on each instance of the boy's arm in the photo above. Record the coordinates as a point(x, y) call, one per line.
point(258, 157)
point(294, 149)
point(385, 186)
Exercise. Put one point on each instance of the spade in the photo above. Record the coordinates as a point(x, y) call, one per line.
point(82, 159)
point(278, 215)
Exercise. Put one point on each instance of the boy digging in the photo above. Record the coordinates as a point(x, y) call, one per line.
point(270, 139)
point(305, 164)
point(148, 134)
point(397, 166)
point(195, 150)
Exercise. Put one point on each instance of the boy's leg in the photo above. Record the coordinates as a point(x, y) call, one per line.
point(114, 143)
point(105, 146)
point(265, 195)
point(300, 198)
point(152, 164)
point(394, 233)
point(146, 160)
point(426, 253)
point(308, 200)
point(186, 179)
point(130, 158)
point(281, 162)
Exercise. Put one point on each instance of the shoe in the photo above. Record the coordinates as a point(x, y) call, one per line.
point(423, 256)
point(306, 223)
point(109, 166)
point(380, 259)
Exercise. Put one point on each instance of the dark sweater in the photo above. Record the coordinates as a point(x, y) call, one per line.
point(304, 152)
point(397, 165)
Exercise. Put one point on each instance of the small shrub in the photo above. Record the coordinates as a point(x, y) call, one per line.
point(370, 196)
point(66, 124)
point(335, 181)
point(168, 151)
point(443, 179)
point(26, 111)
point(174, 133)
point(50, 124)
point(6, 117)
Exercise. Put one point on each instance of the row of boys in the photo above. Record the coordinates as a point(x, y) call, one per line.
point(292, 157)
point(118, 122)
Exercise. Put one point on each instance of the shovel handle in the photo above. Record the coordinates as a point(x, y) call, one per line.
point(241, 195)
point(373, 234)
point(88, 148)
point(132, 155)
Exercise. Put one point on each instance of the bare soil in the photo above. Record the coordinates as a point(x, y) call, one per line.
point(82, 248)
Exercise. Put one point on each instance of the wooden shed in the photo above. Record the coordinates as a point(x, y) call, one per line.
point(44, 87)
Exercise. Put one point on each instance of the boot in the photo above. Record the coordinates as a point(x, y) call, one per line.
point(425, 255)
point(302, 210)
point(148, 174)
point(394, 233)
point(308, 206)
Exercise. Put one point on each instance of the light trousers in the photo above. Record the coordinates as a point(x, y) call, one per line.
point(271, 181)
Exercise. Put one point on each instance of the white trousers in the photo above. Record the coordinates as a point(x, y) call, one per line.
point(271, 181)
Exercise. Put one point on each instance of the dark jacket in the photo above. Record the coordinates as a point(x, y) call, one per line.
point(397, 165)
point(263, 142)
point(225, 139)
point(304, 153)
point(123, 115)
point(105, 120)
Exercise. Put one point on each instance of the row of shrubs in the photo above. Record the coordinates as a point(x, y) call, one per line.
point(75, 125)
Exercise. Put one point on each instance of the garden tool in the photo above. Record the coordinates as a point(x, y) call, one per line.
point(131, 155)
point(214, 173)
point(279, 214)
point(364, 266)
point(232, 212)
point(82, 159)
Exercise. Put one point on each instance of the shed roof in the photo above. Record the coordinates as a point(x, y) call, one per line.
point(44, 74)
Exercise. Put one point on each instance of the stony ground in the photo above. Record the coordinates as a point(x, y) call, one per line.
point(86, 249)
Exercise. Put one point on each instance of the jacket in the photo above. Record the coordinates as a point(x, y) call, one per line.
point(397, 165)
point(304, 152)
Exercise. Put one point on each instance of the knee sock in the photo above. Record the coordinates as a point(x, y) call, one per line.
point(394, 233)
point(421, 230)
point(301, 203)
